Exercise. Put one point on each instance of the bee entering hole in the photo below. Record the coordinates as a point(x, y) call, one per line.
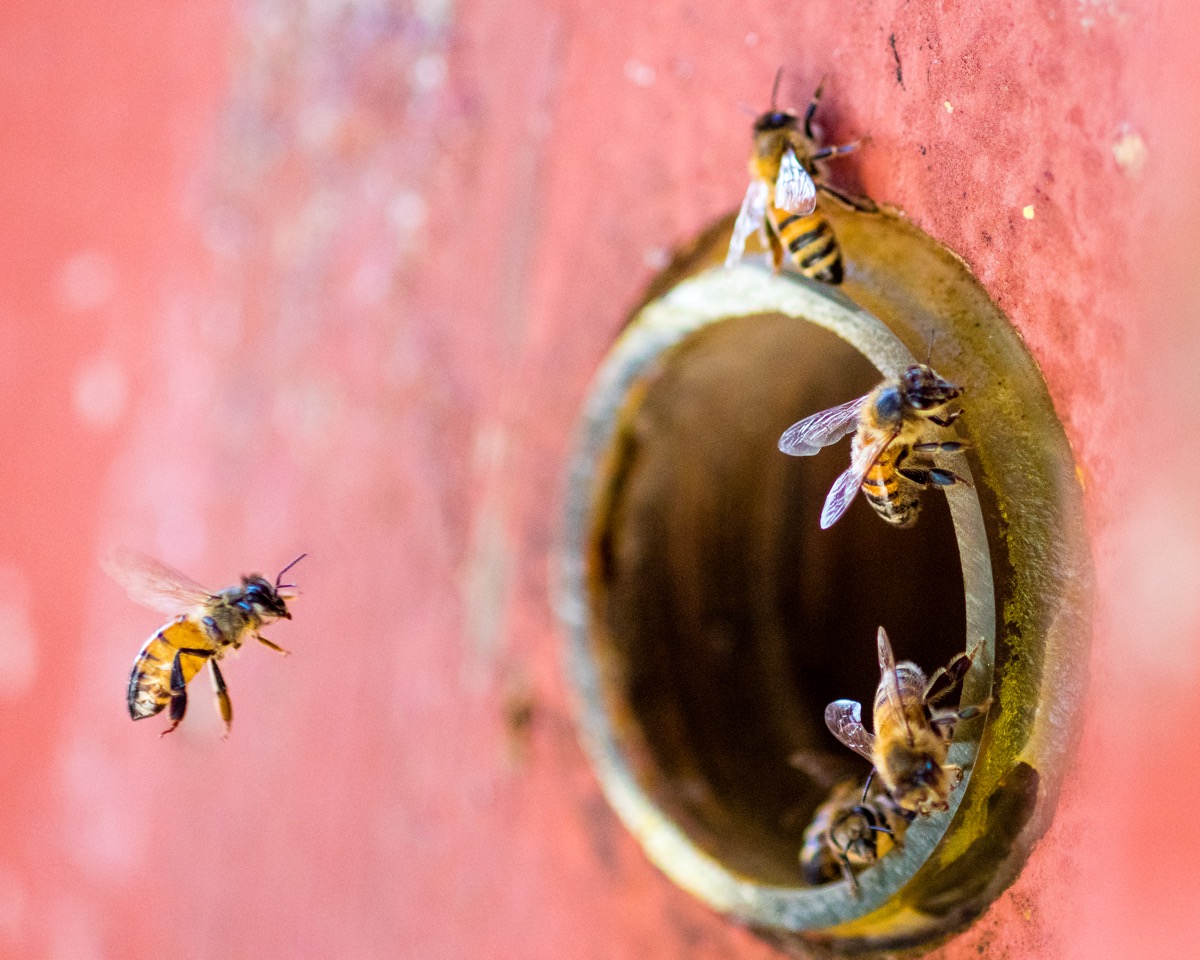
point(734, 617)
point(710, 620)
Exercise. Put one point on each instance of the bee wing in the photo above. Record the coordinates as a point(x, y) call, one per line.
point(841, 494)
point(806, 437)
point(844, 720)
point(750, 218)
point(795, 190)
point(153, 584)
point(887, 678)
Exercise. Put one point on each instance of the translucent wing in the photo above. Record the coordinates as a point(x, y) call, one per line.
point(844, 720)
point(887, 678)
point(749, 219)
point(844, 487)
point(153, 584)
point(809, 435)
point(795, 191)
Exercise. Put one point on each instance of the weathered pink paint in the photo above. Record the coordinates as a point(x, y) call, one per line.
point(347, 274)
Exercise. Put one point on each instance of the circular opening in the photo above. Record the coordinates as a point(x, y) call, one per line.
point(735, 618)
point(710, 620)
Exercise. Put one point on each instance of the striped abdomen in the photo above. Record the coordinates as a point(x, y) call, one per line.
point(150, 680)
point(910, 681)
point(894, 497)
point(810, 243)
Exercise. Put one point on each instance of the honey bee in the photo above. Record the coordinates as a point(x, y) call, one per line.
point(912, 736)
point(206, 626)
point(849, 832)
point(890, 454)
point(781, 201)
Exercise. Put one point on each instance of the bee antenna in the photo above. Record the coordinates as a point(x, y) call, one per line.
point(867, 785)
point(281, 586)
point(929, 354)
point(775, 87)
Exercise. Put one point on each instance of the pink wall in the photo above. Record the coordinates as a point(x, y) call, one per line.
point(336, 281)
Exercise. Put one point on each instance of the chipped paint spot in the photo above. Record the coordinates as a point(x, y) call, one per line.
point(87, 281)
point(1130, 152)
point(752, 39)
point(1027, 212)
point(948, 105)
point(639, 74)
point(100, 393)
point(18, 644)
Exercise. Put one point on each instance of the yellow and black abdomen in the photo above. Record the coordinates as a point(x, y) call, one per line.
point(810, 243)
point(894, 497)
point(150, 679)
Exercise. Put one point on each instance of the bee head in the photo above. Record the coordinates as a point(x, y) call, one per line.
point(271, 598)
point(921, 785)
point(774, 120)
point(926, 390)
point(854, 834)
point(263, 595)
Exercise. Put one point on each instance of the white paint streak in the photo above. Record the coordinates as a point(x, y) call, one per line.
point(1130, 152)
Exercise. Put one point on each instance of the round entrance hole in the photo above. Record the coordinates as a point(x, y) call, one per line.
point(710, 620)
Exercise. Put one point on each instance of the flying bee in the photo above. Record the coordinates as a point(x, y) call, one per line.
point(781, 201)
point(205, 627)
point(912, 735)
point(891, 451)
point(849, 832)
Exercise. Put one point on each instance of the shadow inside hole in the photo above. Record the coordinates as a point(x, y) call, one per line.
point(729, 617)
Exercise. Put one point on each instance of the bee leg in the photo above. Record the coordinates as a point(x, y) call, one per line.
point(949, 446)
point(224, 705)
point(861, 204)
point(274, 646)
point(776, 250)
point(848, 874)
point(948, 419)
point(950, 676)
point(179, 685)
point(946, 478)
point(826, 152)
point(934, 475)
point(811, 111)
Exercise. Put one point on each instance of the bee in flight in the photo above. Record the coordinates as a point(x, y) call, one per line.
point(890, 454)
point(205, 627)
point(912, 735)
point(781, 201)
point(849, 832)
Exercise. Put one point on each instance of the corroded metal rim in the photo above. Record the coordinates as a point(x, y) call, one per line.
point(1025, 566)
point(711, 297)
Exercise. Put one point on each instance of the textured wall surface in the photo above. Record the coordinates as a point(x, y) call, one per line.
point(333, 277)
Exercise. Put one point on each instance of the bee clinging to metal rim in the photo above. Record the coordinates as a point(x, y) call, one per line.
point(205, 627)
point(912, 735)
point(781, 201)
point(849, 832)
point(890, 456)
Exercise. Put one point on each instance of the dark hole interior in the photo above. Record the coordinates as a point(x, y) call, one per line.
point(729, 619)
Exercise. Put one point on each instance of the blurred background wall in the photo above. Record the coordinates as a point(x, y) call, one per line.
point(334, 277)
